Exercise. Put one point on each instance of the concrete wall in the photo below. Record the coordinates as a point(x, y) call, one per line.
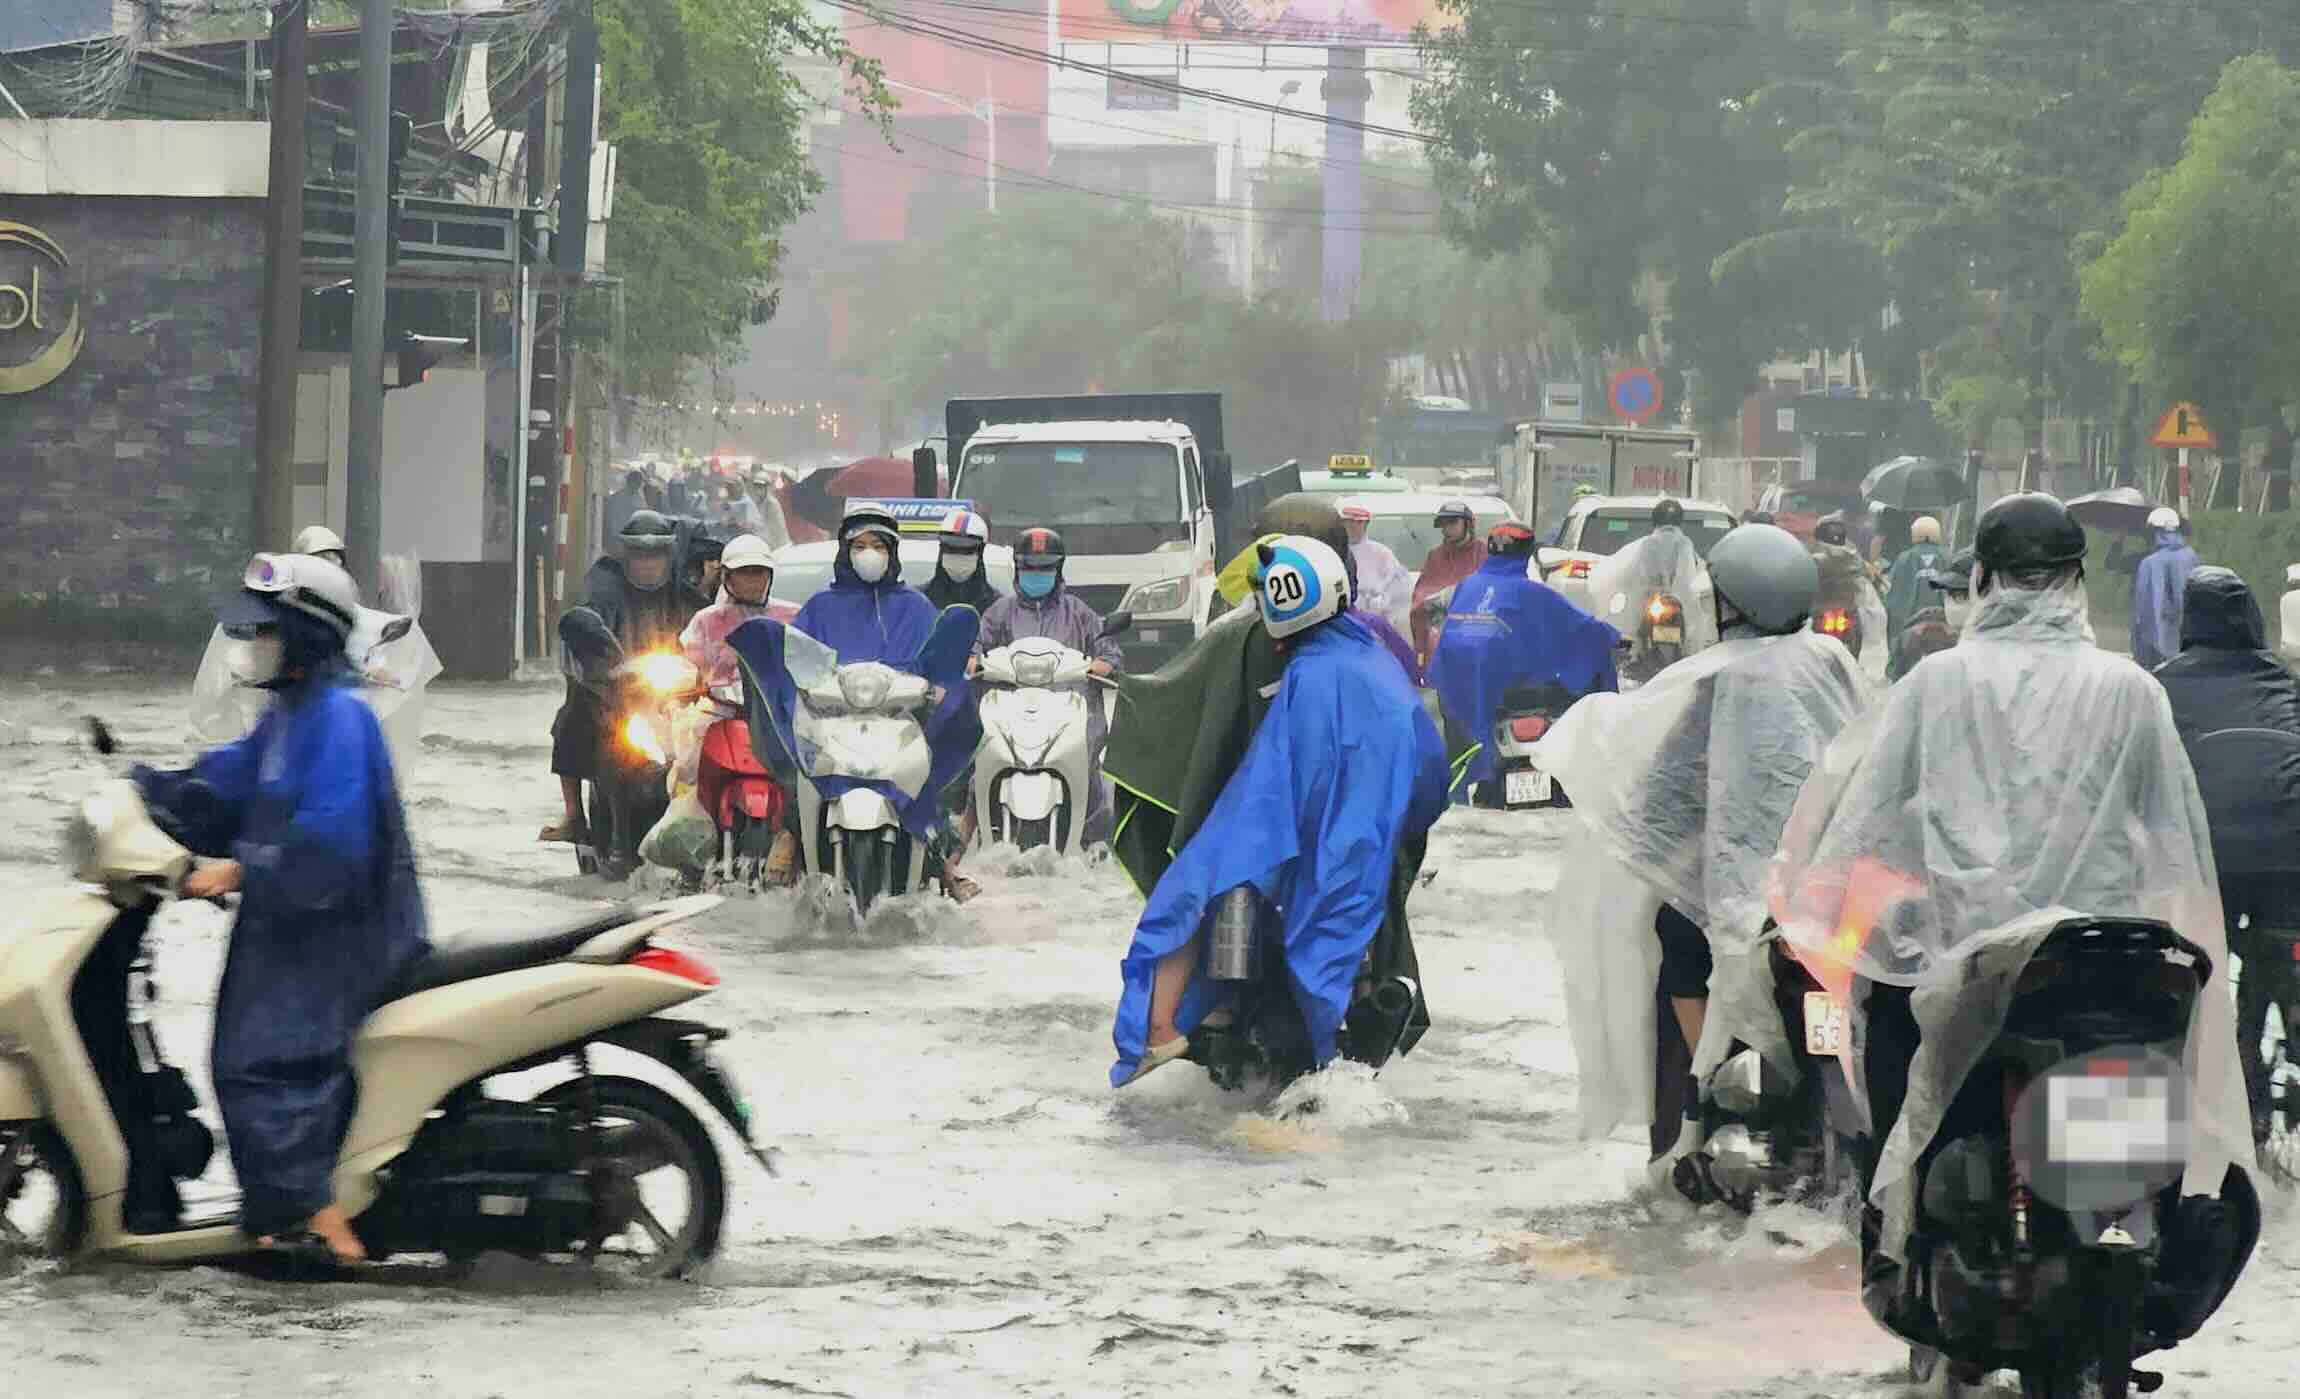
point(128, 501)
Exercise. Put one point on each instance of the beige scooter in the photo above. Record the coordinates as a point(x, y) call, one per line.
point(96, 1129)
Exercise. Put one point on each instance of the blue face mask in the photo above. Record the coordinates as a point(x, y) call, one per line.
point(1035, 584)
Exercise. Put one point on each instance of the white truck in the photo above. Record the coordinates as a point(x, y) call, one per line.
point(1549, 459)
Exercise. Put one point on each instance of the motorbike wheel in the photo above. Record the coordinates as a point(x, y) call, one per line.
point(1929, 1370)
point(1029, 835)
point(641, 1135)
point(864, 861)
point(43, 1204)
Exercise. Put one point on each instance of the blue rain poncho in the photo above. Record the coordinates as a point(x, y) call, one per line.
point(1344, 767)
point(1505, 631)
point(2156, 597)
point(330, 914)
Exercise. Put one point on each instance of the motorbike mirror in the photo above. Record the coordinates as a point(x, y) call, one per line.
point(398, 627)
point(1117, 623)
point(100, 734)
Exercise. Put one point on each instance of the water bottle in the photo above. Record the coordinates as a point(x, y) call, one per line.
point(1231, 946)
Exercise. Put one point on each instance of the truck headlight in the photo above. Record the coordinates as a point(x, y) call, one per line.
point(1165, 595)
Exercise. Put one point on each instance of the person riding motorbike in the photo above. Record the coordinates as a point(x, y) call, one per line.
point(959, 576)
point(1385, 588)
point(635, 601)
point(1905, 590)
point(305, 815)
point(1504, 632)
point(1320, 850)
point(1682, 787)
point(1623, 585)
point(2156, 590)
point(746, 578)
point(1459, 553)
point(2023, 776)
point(1846, 583)
point(2225, 678)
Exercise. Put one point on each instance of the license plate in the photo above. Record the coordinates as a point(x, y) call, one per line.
point(1824, 1025)
point(1524, 786)
point(1148, 636)
point(1669, 636)
point(2110, 1121)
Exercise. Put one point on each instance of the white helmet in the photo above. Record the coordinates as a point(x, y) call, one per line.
point(746, 551)
point(319, 539)
point(1301, 583)
point(965, 524)
point(2164, 517)
point(312, 586)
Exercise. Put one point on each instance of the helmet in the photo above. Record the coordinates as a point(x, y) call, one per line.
point(2164, 517)
point(1355, 512)
point(746, 551)
point(1764, 574)
point(319, 539)
point(2026, 533)
point(301, 583)
point(1667, 512)
point(1831, 530)
point(1955, 576)
point(648, 532)
point(1926, 530)
point(869, 517)
point(1038, 547)
point(1455, 510)
point(1301, 583)
point(1509, 538)
point(965, 529)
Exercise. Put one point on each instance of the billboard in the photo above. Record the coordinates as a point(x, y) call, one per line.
point(1246, 21)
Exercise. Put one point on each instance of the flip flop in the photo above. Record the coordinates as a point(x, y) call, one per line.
point(960, 889)
point(1158, 1056)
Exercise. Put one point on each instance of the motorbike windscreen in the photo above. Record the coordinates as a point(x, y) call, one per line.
point(809, 662)
point(222, 708)
point(2020, 773)
point(1663, 562)
point(399, 585)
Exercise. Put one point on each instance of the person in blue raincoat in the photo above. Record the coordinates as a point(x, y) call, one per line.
point(2157, 589)
point(306, 809)
point(1344, 767)
point(1504, 632)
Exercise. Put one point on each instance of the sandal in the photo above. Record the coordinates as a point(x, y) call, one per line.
point(1158, 1056)
point(560, 833)
point(783, 859)
point(959, 888)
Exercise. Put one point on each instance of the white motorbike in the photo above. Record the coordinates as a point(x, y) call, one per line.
point(866, 722)
point(1034, 774)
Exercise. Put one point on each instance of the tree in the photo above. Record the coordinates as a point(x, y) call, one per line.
point(702, 99)
point(2195, 295)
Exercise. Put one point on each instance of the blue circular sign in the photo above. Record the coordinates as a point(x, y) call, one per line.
point(1636, 394)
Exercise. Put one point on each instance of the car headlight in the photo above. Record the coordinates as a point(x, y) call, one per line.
point(1165, 595)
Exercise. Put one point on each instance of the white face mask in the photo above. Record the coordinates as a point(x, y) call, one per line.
point(255, 661)
point(1960, 610)
point(870, 564)
point(960, 567)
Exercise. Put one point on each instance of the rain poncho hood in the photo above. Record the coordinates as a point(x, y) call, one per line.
point(1948, 832)
point(2225, 677)
point(1385, 586)
point(2156, 599)
point(883, 621)
point(1505, 631)
point(330, 914)
point(1680, 791)
point(1343, 770)
point(977, 592)
point(1446, 565)
point(1664, 561)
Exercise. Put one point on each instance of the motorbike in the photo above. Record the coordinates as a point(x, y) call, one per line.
point(97, 1128)
point(1659, 640)
point(742, 798)
point(633, 788)
point(863, 722)
point(1033, 775)
point(2050, 1235)
point(1527, 713)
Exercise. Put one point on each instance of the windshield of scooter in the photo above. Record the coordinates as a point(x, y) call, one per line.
point(809, 662)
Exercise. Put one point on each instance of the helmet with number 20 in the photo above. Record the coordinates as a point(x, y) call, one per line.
point(1302, 582)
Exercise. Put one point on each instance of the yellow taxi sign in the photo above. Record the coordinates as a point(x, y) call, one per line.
point(1350, 464)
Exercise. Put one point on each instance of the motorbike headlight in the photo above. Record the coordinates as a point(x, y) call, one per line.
point(865, 687)
point(1036, 670)
point(666, 673)
point(640, 735)
point(1165, 595)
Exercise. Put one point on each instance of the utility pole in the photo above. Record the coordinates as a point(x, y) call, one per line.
point(1346, 90)
point(363, 471)
point(283, 283)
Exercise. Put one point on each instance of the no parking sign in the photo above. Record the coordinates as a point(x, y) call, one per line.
point(1636, 395)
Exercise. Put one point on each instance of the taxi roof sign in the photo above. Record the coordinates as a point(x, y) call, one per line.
point(1350, 464)
point(2183, 426)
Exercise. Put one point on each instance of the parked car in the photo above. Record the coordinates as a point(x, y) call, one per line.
point(1797, 506)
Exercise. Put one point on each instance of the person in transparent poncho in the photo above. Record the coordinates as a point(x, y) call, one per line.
point(1663, 562)
point(2019, 779)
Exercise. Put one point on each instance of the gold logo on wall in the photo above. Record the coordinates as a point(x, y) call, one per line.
point(21, 310)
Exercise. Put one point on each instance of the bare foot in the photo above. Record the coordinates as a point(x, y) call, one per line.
point(334, 1229)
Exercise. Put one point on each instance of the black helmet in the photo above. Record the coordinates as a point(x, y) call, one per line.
point(2027, 533)
point(1509, 539)
point(1668, 512)
point(1039, 547)
point(1831, 530)
point(1759, 517)
point(1455, 510)
point(648, 532)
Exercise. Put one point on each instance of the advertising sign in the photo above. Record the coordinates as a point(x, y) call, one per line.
point(1246, 21)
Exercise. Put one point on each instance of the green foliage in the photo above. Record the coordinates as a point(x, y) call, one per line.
point(701, 98)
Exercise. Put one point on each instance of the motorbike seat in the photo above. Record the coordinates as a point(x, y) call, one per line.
point(468, 959)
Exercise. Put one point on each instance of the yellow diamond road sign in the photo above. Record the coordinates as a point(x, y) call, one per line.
point(2183, 426)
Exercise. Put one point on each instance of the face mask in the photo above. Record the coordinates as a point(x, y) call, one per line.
point(960, 567)
point(255, 661)
point(1035, 585)
point(1959, 610)
point(869, 564)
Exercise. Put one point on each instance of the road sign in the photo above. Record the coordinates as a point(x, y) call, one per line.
point(2183, 426)
point(1636, 394)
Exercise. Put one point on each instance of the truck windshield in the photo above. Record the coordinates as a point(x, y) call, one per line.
point(1074, 483)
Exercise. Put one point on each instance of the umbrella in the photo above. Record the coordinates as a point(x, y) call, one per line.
point(2123, 510)
point(1915, 483)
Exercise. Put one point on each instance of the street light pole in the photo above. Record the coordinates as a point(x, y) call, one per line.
point(986, 112)
point(1285, 90)
point(363, 467)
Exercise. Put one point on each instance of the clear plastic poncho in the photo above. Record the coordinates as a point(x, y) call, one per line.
point(1681, 789)
point(2019, 779)
point(1664, 561)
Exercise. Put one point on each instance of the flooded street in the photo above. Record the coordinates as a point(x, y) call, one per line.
point(966, 1208)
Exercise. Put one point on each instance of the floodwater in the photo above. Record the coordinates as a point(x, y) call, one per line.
point(966, 1208)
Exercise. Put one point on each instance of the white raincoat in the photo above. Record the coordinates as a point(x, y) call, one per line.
point(1664, 561)
point(2019, 779)
point(1681, 788)
point(1385, 586)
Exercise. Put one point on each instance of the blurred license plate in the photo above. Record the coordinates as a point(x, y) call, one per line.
point(1824, 1024)
point(2110, 1121)
point(1526, 785)
point(1148, 636)
point(1669, 636)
